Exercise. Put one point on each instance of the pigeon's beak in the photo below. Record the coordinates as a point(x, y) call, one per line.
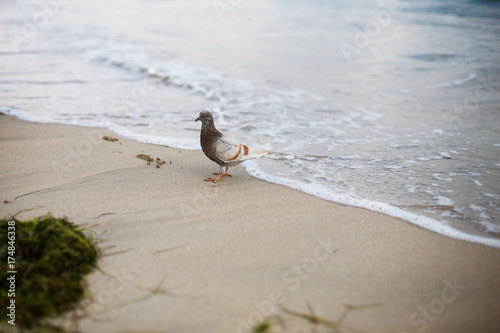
point(197, 119)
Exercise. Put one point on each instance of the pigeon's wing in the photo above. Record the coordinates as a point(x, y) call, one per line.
point(231, 151)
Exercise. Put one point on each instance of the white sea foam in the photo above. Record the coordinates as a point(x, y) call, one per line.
point(490, 227)
point(472, 75)
point(444, 201)
point(181, 143)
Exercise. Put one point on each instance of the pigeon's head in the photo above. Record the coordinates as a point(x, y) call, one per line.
point(205, 117)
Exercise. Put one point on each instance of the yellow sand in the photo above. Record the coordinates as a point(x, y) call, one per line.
point(228, 253)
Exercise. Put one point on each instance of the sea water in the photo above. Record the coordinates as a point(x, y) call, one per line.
point(388, 105)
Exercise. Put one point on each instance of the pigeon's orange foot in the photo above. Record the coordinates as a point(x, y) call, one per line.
point(226, 174)
point(214, 179)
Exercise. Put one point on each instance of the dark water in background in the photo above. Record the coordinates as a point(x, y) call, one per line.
point(389, 105)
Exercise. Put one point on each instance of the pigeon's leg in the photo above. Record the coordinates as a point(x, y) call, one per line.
point(219, 175)
point(226, 174)
point(222, 172)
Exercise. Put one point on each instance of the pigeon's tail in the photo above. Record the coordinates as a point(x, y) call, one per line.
point(255, 153)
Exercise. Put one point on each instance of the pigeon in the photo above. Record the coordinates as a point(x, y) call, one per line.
point(224, 151)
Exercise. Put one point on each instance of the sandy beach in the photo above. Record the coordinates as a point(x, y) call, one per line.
point(222, 256)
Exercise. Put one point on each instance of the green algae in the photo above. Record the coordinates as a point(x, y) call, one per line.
point(52, 255)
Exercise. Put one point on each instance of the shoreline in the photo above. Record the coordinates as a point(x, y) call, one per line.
point(230, 253)
point(421, 221)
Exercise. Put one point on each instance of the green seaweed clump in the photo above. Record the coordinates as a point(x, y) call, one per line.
point(46, 260)
point(263, 327)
